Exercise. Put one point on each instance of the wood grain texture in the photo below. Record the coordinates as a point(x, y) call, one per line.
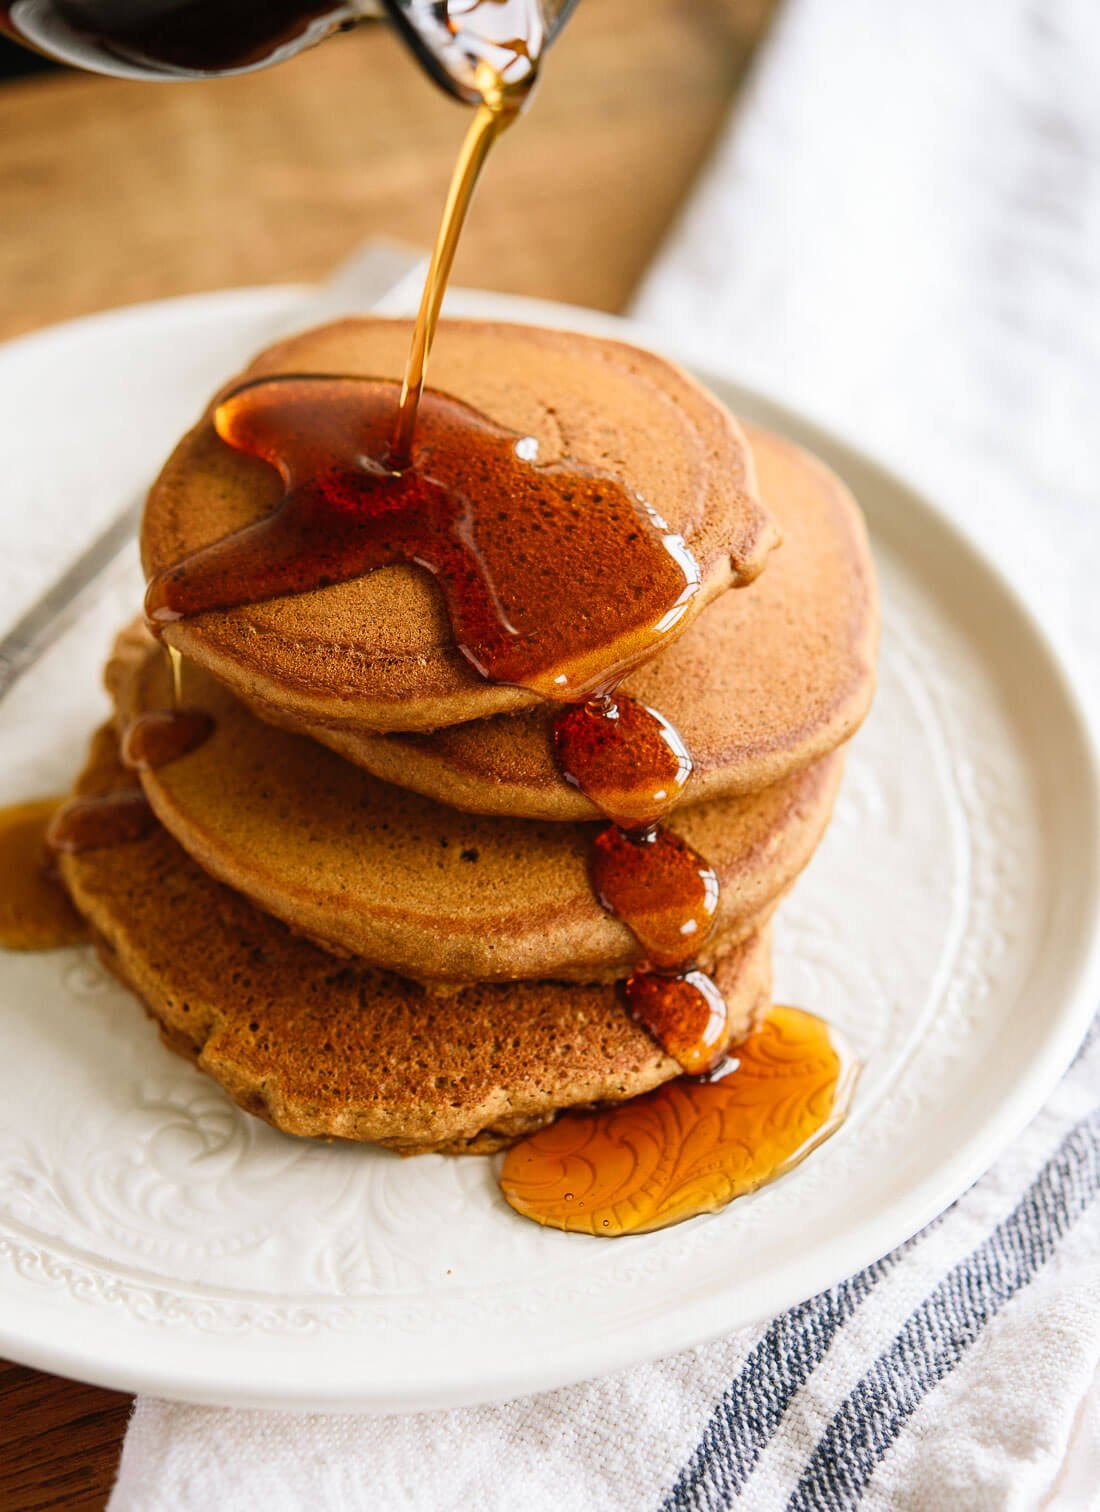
point(112, 192)
point(59, 1441)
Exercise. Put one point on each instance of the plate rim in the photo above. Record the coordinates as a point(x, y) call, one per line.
point(204, 1377)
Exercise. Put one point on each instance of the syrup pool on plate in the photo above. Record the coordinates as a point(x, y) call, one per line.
point(689, 1147)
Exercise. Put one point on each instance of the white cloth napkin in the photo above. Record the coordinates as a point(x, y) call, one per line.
point(900, 232)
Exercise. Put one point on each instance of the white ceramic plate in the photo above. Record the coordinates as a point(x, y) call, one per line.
point(154, 1238)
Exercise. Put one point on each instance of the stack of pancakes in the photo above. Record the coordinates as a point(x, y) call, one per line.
point(366, 910)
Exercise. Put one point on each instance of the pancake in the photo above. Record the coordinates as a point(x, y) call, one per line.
point(322, 1047)
point(764, 682)
point(403, 882)
point(378, 652)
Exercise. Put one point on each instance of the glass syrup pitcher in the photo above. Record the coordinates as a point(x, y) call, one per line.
point(455, 40)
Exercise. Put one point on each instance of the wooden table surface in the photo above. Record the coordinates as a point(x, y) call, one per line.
point(112, 192)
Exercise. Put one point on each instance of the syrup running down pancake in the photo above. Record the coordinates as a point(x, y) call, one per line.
point(378, 651)
point(765, 681)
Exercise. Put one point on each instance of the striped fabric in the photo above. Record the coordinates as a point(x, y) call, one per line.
point(902, 232)
point(920, 178)
point(953, 1373)
point(931, 1344)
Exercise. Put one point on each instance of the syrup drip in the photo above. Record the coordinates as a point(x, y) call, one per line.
point(154, 739)
point(625, 757)
point(685, 1013)
point(633, 765)
point(504, 67)
point(175, 667)
point(35, 910)
point(370, 483)
point(658, 885)
point(688, 1147)
point(99, 820)
point(520, 551)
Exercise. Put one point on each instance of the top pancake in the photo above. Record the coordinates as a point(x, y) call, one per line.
point(378, 652)
point(763, 683)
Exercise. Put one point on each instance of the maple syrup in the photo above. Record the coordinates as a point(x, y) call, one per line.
point(518, 579)
point(656, 883)
point(35, 910)
point(375, 475)
point(97, 821)
point(175, 670)
point(689, 1147)
point(173, 39)
point(502, 42)
point(634, 766)
point(159, 736)
point(497, 111)
point(628, 759)
point(685, 1013)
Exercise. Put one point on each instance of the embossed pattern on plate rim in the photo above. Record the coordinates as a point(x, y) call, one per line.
point(56, 1338)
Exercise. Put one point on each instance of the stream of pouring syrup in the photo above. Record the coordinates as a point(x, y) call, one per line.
point(500, 105)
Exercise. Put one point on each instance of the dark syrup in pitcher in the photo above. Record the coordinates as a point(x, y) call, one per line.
point(202, 39)
point(172, 38)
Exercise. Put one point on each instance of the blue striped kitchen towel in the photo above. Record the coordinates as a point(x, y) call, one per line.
point(958, 1372)
point(901, 233)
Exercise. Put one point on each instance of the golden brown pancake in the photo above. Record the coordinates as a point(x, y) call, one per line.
point(396, 879)
point(378, 652)
point(764, 682)
point(318, 1046)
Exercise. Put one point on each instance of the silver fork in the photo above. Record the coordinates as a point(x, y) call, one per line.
point(381, 276)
